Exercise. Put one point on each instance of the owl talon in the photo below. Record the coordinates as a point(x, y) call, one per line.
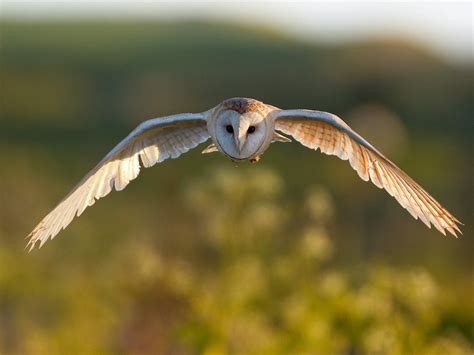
point(255, 160)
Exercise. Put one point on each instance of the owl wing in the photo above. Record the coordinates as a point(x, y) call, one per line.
point(151, 142)
point(329, 133)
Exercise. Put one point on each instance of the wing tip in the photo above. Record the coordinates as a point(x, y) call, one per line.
point(450, 225)
point(32, 239)
point(455, 228)
point(31, 243)
point(36, 236)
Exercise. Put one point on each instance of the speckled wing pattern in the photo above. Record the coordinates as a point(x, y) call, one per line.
point(330, 134)
point(151, 142)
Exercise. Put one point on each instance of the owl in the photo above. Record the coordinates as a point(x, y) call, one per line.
point(242, 129)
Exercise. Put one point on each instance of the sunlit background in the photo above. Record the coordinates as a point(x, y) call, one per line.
point(293, 255)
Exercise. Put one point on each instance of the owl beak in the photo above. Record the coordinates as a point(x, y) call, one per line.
point(236, 143)
point(240, 142)
point(241, 136)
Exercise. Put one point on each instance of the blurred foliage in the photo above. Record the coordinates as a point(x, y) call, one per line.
point(243, 288)
point(201, 257)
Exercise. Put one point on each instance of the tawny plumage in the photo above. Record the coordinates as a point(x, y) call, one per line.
point(242, 129)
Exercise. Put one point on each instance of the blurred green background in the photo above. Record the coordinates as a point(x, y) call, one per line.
point(293, 255)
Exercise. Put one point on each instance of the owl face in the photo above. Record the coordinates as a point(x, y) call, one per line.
point(241, 136)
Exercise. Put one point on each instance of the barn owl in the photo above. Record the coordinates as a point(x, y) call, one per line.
point(242, 129)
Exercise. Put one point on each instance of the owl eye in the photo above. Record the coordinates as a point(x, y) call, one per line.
point(229, 128)
point(251, 129)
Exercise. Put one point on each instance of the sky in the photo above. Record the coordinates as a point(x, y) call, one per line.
point(444, 26)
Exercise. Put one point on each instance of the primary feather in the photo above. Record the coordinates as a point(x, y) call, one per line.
point(330, 134)
point(151, 142)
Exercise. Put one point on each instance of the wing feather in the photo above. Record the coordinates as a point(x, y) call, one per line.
point(151, 142)
point(330, 134)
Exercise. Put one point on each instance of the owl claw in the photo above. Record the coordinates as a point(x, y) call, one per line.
point(255, 160)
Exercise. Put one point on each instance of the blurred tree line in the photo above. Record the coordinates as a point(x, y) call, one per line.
point(292, 255)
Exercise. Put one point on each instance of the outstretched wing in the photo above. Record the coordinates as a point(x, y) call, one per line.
point(323, 130)
point(151, 142)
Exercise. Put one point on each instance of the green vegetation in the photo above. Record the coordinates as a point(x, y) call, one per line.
point(291, 255)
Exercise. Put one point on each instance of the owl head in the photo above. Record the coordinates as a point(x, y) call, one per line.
point(241, 129)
